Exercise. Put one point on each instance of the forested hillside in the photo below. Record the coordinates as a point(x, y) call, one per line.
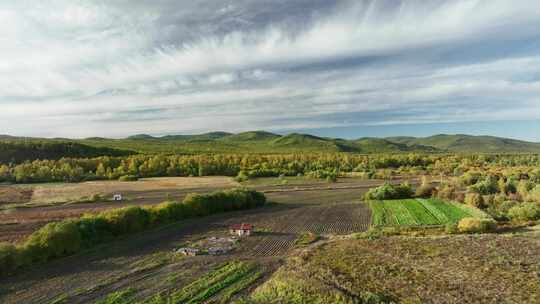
point(16, 151)
point(262, 142)
point(469, 143)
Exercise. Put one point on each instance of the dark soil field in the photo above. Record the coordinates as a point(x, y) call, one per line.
point(22, 219)
point(146, 264)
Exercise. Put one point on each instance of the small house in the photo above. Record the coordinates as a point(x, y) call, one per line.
point(241, 229)
point(117, 197)
point(188, 251)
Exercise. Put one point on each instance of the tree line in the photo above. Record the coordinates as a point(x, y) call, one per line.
point(317, 165)
point(67, 237)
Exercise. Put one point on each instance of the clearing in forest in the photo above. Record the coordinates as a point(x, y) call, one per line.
point(420, 212)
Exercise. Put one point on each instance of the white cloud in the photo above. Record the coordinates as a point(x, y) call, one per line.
point(86, 68)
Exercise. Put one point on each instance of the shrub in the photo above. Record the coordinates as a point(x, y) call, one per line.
point(167, 212)
point(52, 240)
point(470, 178)
point(525, 212)
point(389, 191)
point(524, 187)
point(446, 192)
point(485, 187)
point(474, 200)
point(424, 191)
point(126, 220)
point(8, 258)
point(534, 194)
point(241, 177)
point(220, 201)
point(451, 228)
point(128, 178)
point(476, 225)
point(94, 229)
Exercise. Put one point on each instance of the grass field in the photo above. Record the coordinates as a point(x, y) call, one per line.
point(419, 212)
point(453, 269)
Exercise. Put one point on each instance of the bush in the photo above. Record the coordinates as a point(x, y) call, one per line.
point(485, 187)
point(167, 212)
point(525, 212)
point(474, 200)
point(8, 258)
point(241, 177)
point(470, 178)
point(221, 201)
point(126, 220)
point(388, 191)
point(451, 228)
point(424, 191)
point(94, 230)
point(128, 178)
point(534, 194)
point(476, 225)
point(51, 241)
point(446, 192)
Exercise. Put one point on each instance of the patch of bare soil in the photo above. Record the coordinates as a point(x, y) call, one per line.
point(15, 194)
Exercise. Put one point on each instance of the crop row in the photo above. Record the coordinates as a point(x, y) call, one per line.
point(419, 212)
point(230, 278)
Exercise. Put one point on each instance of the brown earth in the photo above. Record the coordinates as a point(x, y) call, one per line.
point(145, 262)
point(18, 222)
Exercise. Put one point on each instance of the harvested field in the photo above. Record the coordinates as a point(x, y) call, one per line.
point(452, 269)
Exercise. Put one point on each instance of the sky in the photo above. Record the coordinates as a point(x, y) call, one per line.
point(334, 68)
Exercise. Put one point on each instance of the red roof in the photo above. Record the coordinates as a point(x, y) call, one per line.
point(241, 227)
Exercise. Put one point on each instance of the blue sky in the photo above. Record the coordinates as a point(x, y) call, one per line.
point(348, 68)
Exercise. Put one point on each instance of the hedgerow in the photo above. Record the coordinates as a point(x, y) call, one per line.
point(70, 236)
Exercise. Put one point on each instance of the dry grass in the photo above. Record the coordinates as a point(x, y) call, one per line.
point(453, 269)
point(44, 193)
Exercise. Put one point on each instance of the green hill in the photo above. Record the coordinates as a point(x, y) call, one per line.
point(260, 142)
point(17, 150)
point(470, 143)
point(251, 136)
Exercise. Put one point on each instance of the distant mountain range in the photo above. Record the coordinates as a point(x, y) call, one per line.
point(19, 148)
point(262, 141)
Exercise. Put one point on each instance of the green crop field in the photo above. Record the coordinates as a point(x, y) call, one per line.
point(227, 280)
point(419, 212)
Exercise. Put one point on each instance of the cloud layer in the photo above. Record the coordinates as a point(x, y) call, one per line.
point(96, 68)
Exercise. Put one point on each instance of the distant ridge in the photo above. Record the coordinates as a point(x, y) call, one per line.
point(470, 143)
point(267, 142)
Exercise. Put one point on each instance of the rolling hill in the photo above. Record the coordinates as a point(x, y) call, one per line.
point(16, 150)
point(469, 143)
point(13, 149)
